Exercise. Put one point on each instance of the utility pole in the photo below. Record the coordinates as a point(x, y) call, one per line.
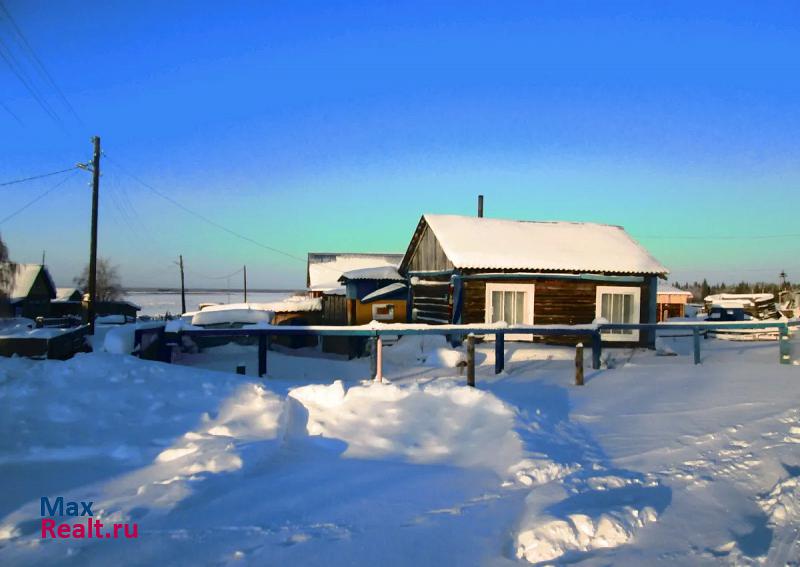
point(245, 284)
point(93, 246)
point(183, 289)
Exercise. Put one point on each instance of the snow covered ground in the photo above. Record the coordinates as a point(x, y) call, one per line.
point(158, 303)
point(653, 461)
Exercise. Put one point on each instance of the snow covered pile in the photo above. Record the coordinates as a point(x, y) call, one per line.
point(250, 415)
point(431, 350)
point(437, 423)
point(601, 511)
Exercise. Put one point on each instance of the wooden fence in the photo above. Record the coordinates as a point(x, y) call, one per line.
point(593, 333)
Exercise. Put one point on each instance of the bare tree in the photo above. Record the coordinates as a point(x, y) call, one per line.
point(109, 286)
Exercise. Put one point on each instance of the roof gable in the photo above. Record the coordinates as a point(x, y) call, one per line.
point(25, 278)
point(484, 243)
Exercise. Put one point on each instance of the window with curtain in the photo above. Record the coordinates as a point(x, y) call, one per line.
point(618, 304)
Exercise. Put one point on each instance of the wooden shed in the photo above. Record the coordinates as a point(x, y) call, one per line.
point(671, 301)
point(323, 274)
point(375, 294)
point(32, 291)
point(481, 270)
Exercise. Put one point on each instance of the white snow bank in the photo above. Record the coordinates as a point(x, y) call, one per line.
point(431, 350)
point(96, 416)
point(118, 339)
point(602, 521)
point(433, 424)
point(251, 414)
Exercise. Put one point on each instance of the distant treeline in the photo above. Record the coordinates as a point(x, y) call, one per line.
point(699, 290)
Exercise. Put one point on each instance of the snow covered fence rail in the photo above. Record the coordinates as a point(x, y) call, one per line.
point(780, 327)
point(263, 332)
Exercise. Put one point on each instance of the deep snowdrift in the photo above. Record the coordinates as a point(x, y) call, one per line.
point(655, 460)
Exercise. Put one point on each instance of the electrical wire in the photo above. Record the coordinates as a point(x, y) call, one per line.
point(712, 237)
point(39, 64)
point(225, 277)
point(38, 198)
point(12, 113)
point(15, 181)
point(203, 217)
point(18, 70)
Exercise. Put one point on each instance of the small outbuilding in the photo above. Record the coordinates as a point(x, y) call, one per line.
point(482, 270)
point(68, 294)
point(32, 291)
point(324, 272)
point(671, 301)
point(375, 294)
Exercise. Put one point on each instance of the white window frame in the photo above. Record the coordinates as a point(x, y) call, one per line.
point(376, 317)
point(636, 292)
point(530, 296)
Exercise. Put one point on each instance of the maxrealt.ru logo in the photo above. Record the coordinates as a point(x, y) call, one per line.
point(70, 528)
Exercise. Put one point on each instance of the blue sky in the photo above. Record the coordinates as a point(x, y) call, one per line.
point(332, 126)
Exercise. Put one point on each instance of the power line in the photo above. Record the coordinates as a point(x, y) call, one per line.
point(203, 217)
point(17, 69)
point(38, 198)
point(12, 113)
point(42, 69)
point(712, 237)
point(239, 271)
point(36, 177)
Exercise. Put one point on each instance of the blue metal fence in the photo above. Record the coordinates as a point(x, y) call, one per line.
point(593, 333)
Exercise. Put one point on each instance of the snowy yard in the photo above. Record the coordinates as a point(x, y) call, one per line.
point(653, 461)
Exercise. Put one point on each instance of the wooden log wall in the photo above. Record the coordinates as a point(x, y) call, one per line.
point(432, 301)
point(556, 302)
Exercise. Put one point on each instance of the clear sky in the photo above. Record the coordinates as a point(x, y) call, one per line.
point(332, 126)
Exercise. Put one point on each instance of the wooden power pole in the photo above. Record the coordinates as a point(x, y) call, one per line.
point(183, 289)
point(245, 284)
point(90, 306)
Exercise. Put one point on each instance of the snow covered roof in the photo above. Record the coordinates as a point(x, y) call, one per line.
point(24, 278)
point(376, 273)
point(68, 294)
point(325, 269)
point(383, 292)
point(738, 299)
point(474, 242)
point(666, 288)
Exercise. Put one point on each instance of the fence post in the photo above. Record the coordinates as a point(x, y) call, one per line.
point(471, 360)
point(379, 359)
point(262, 355)
point(579, 364)
point(373, 358)
point(240, 369)
point(137, 341)
point(696, 340)
point(499, 353)
point(785, 346)
point(597, 349)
